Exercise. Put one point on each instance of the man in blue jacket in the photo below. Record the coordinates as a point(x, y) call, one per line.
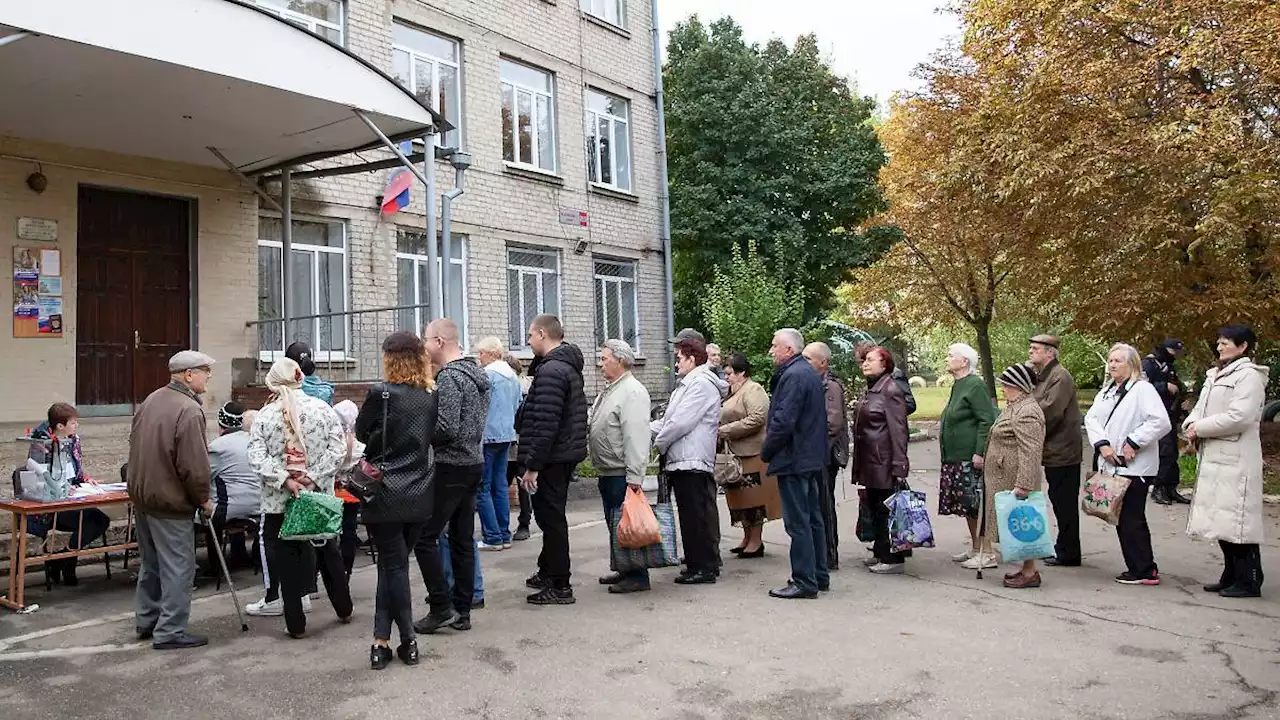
point(795, 447)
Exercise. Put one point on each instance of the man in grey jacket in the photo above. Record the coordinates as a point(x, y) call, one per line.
point(463, 400)
point(618, 443)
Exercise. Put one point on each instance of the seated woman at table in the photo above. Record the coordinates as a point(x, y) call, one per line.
point(236, 489)
point(55, 445)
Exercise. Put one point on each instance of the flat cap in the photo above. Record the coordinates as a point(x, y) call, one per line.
point(689, 334)
point(189, 360)
point(1050, 340)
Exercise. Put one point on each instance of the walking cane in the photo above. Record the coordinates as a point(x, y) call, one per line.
point(226, 574)
point(982, 524)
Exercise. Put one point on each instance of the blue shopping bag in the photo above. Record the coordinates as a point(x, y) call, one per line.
point(1024, 527)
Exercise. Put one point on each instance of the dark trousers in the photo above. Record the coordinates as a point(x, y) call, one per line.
point(454, 508)
point(393, 602)
point(349, 541)
point(549, 509)
point(802, 511)
point(613, 490)
point(695, 493)
point(1133, 531)
point(1168, 475)
point(880, 522)
point(294, 563)
point(1241, 565)
point(213, 542)
point(85, 526)
point(1064, 495)
point(526, 501)
point(829, 520)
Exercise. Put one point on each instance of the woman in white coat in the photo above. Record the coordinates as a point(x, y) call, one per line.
point(1224, 427)
point(1125, 425)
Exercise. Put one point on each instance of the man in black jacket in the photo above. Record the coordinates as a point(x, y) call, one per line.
point(1161, 373)
point(552, 426)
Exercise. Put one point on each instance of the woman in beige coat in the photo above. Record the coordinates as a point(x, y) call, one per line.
point(755, 500)
point(1224, 427)
point(1013, 455)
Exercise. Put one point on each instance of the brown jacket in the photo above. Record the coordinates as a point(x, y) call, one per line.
point(1013, 453)
point(168, 455)
point(880, 436)
point(742, 418)
point(837, 421)
point(1055, 391)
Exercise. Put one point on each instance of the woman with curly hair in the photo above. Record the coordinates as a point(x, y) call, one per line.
point(397, 424)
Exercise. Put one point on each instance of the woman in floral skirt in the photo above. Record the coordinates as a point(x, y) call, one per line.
point(966, 421)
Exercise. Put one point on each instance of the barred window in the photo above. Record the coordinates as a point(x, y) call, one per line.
point(616, 313)
point(533, 288)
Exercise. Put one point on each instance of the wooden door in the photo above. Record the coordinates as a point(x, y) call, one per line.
point(133, 295)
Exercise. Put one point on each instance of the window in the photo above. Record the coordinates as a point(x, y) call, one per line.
point(414, 283)
point(528, 119)
point(322, 17)
point(613, 12)
point(616, 316)
point(319, 286)
point(428, 64)
point(533, 288)
point(608, 141)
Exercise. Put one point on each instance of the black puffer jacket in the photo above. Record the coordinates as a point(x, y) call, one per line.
point(408, 463)
point(552, 423)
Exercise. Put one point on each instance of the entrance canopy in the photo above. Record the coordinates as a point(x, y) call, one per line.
point(170, 79)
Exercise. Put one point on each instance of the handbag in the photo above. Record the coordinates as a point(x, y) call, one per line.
point(366, 477)
point(866, 528)
point(312, 516)
point(728, 470)
point(1103, 495)
point(664, 553)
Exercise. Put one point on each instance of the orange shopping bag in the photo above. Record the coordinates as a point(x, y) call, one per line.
point(638, 527)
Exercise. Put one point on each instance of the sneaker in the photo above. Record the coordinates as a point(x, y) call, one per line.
point(486, 547)
point(265, 608)
point(506, 546)
point(961, 557)
point(537, 582)
point(1125, 578)
point(521, 534)
point(887, 569)
point(984, 561)
point(871, 561)
point(552, 596)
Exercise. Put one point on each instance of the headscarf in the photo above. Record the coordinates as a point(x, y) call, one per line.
point(347, 412)
point(284, 380)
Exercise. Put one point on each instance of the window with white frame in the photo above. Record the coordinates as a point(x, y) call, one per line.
point(318, 286)
point(528, 116)
point(613, 12)
point(414, 283)
point(616, 315)
point(608, 140)
point(322, 17)
point(430, 66)
point(533, 288)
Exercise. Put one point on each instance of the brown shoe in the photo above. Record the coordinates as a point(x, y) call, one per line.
point(1012, 575)
point(1020, 581)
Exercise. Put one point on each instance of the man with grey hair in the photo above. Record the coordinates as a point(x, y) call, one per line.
point(1055, 391)
point(168, 480)
point(795, 447)
point(819, 356)
point(618, 443)
point(714, 361)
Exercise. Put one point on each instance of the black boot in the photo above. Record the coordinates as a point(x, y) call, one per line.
point(1228, 568)
point(69, 572)
point(1248, 575)
point(1161, 495)
point(53, 571)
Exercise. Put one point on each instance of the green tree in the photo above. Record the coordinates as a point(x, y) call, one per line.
point(745, 304)
point(767, 144)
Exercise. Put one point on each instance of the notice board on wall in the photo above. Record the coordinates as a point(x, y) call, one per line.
point(37, 292)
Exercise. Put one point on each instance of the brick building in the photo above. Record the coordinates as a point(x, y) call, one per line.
point(553, 100)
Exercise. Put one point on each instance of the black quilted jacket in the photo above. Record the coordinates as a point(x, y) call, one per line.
point(408, 463)
point(553, 420)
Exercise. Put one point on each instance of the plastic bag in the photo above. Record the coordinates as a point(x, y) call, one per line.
point(1023, 526)
point(312, 516)
point(865, 529)
point(664, 553)
point(639, 526)
point(909, 525)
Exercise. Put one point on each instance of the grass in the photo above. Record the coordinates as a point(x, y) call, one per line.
point(930, 401)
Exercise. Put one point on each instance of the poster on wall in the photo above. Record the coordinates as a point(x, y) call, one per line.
point(37, 293)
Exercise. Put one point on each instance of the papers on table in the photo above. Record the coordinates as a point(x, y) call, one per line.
point(87, 490)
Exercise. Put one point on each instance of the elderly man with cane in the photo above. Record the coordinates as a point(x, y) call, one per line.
point(168, 480)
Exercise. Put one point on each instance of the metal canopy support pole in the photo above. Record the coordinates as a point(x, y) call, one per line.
point(286, 252)
point(270, 201)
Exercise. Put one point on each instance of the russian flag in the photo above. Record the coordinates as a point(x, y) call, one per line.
point(396, 196)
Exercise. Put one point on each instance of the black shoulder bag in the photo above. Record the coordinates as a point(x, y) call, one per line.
point(366, 478)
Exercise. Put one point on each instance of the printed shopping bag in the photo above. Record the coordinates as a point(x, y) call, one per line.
point(1103, 495)
point(1023, 526)
point(909, 525)
point(638, 527)
point(312, 516)
point(969, 490)
point(664, 553)
point(865, 529)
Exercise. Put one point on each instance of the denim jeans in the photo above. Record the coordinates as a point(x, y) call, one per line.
point(393, 602)
point(613, 490)
point(492, 501)
point(454, 511)
point(802, 518)
point(477, 596)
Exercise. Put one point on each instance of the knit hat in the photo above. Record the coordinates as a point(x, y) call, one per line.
point(1019, 376)
point(231, 416)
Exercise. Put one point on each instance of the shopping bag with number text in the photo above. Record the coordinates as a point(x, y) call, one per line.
point(1024, 527)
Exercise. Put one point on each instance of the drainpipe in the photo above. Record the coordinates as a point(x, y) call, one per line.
point(663, 197)
point(461, 161)
point(433, 257)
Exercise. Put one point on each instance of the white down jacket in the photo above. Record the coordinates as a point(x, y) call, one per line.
point(1228, 500)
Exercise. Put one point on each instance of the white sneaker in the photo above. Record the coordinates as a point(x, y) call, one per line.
point(485, 547)
point(985, 560)
point(961, 557)
point(887, 569)
point(265, 608)
point(871, 561)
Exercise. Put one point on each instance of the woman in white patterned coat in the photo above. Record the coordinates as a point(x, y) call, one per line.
point(296, 444)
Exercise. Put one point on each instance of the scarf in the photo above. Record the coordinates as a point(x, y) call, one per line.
point(285, 381)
